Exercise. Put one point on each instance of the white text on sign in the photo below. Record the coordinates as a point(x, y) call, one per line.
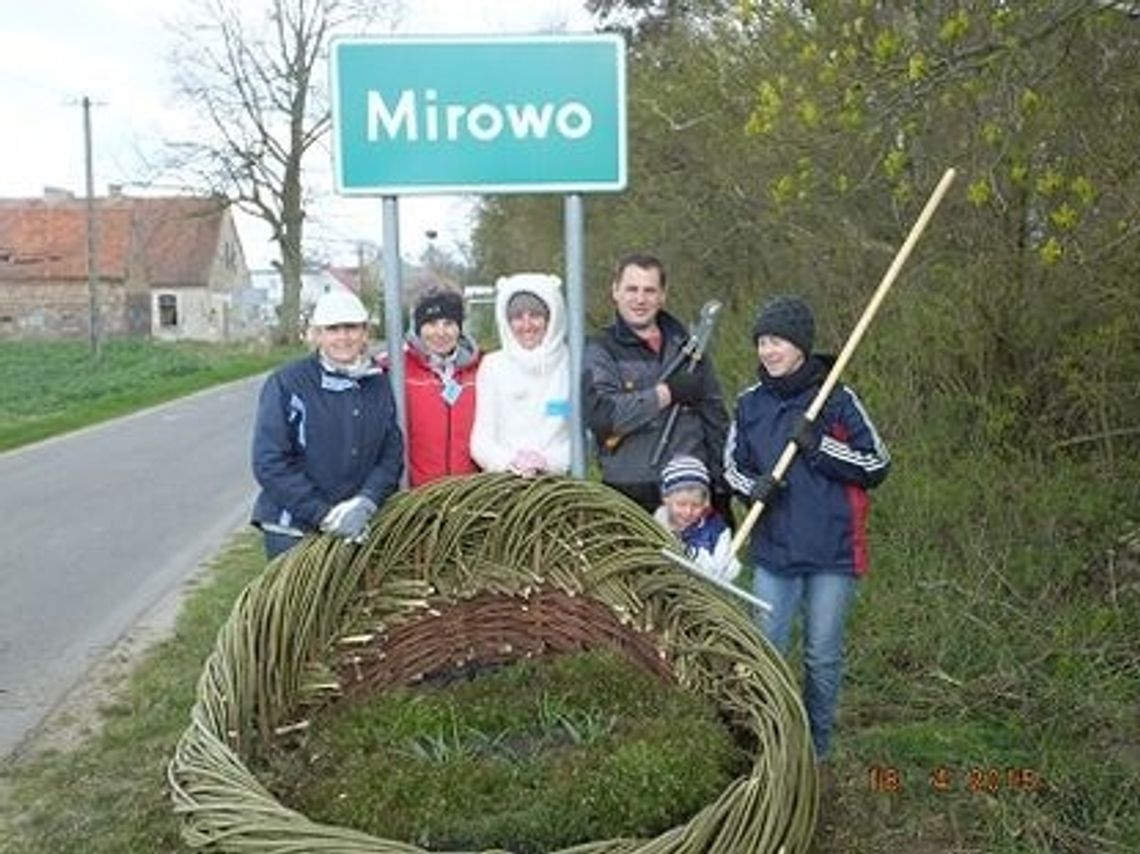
point(483, 122)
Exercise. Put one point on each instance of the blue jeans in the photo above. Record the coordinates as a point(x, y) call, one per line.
point(824, 598)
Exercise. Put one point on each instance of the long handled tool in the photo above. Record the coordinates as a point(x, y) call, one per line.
point(789, 453)
point(698, 344)
point(691, 352)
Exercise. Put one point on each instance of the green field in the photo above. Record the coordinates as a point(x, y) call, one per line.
point(53, 387)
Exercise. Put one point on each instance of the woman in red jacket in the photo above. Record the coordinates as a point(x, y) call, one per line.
point(440, 364)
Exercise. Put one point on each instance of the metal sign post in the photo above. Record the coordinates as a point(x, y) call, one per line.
point(503, 114)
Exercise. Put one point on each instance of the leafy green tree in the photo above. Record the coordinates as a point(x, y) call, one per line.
point(1027, 273)
point(515, 234)
point(778, 146)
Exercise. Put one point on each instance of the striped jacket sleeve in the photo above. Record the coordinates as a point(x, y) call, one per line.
point(739, 470)
point(851, 450)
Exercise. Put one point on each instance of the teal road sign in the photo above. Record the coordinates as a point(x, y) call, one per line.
point(514, 114)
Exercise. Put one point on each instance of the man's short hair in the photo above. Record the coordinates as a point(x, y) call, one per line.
point(643, 260)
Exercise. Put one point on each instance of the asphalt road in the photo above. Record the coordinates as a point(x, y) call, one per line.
point(98, 526)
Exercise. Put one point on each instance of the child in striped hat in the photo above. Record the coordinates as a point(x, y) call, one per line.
point(686, 511)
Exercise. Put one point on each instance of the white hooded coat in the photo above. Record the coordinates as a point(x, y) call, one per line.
point(522, 397)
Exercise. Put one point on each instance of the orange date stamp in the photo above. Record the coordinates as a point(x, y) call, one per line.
point(945, 779)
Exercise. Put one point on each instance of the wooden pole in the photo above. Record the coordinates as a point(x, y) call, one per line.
point(94, 319)
point(789, 453)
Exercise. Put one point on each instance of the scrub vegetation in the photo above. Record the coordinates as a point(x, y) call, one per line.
point(990, 703)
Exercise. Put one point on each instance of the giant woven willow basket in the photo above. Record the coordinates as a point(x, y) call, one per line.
point(479, 570)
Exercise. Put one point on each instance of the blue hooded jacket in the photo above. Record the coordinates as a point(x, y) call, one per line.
point(817, 522)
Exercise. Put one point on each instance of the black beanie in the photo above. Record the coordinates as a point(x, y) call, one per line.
point(789, 318)
point(438, 304)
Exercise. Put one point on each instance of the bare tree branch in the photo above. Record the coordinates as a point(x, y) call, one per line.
point(254, 76)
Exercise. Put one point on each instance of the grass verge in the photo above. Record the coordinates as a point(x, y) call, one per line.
point(993, 674)
point(990, 705)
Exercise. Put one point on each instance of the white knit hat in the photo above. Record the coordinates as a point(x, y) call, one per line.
point(683, 472)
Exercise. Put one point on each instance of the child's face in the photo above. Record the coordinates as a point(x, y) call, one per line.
point(685, 506)
point(779, 357)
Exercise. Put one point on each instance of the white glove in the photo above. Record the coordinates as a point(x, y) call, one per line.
point(349, 518)
point(718, 568)
point(336, 512)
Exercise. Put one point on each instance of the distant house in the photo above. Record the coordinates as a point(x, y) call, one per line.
point(316, 280)
point(169, 268)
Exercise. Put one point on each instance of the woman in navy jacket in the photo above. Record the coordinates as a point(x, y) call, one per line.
point(810, 545)
point(327, 448)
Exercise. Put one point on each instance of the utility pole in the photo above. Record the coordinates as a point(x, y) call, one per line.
point(94, 319)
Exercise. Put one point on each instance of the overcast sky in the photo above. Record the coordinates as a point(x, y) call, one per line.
point(53, 52)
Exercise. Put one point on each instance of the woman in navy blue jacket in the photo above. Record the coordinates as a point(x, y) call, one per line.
point(327, 448)
point(810, 545)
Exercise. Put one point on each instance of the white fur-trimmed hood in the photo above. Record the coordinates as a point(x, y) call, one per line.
point(553, 348)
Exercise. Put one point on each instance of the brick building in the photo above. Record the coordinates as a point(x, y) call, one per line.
point(170, 268)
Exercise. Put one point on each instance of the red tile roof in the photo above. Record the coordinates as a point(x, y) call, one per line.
point(175, 238)
point(179, 238)
point(48, 240)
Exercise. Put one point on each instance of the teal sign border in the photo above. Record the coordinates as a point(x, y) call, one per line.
point(503, 114)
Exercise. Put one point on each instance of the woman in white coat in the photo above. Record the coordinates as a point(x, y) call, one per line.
point(522, 405)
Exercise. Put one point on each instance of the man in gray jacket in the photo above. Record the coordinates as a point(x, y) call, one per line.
point(627, 403)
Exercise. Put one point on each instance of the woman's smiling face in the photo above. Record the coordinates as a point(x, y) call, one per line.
point(342, 343)
point(440, 336)
point(528, 327)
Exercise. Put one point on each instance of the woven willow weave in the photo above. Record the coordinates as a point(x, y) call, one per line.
point(468, 571)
